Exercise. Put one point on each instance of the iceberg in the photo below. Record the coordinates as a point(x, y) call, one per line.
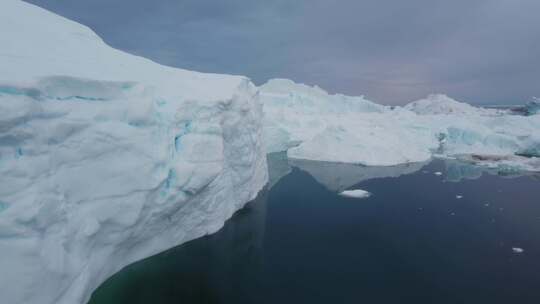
point(295, 113)
point(107, 158)
point(311, 124)
point(459, 170)
point(438, 104)
point(517, 250)
point(533, 107)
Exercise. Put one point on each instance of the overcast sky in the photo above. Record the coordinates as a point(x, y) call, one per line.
point(479, 51)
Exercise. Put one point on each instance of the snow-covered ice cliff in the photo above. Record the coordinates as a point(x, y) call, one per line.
point(107, 158)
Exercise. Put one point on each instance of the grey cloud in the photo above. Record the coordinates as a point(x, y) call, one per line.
point(482, 51)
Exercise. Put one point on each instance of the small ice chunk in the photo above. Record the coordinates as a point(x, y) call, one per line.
point(517, 250)
point(358, 193)
point(438, 173)
point(459, 196)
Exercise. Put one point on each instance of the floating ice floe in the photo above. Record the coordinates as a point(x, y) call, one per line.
point(108, 158)
point(358, 193)
point(459, 196)
point(438, 173)
point(517, 250)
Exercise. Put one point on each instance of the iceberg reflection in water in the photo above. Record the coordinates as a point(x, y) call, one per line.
point(411, 242)
point(340, 176)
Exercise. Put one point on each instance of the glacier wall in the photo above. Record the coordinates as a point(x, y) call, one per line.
point(107, 158)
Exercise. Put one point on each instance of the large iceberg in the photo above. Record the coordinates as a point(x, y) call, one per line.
point(314, 125)
point(107, 158)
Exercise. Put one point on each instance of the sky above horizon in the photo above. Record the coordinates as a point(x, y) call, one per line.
point(393, 52)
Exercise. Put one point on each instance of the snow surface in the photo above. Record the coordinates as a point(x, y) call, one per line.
point(311, 124)
point(107, 158)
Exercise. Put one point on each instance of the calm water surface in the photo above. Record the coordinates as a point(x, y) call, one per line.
point(412, 241)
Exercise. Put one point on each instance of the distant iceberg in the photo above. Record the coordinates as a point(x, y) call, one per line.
point(517, 250)
point(440, 104)
point(311, 124)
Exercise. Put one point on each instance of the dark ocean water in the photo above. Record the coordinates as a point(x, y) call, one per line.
point(412, 241)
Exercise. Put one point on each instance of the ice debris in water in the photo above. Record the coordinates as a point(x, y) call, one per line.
point(459, 196)
point(358, 193)
point(517, 250)
point(438, 173)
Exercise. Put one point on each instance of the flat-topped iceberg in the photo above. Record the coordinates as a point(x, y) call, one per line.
point(312, 124)
point(295, 113)
point(107, 158)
